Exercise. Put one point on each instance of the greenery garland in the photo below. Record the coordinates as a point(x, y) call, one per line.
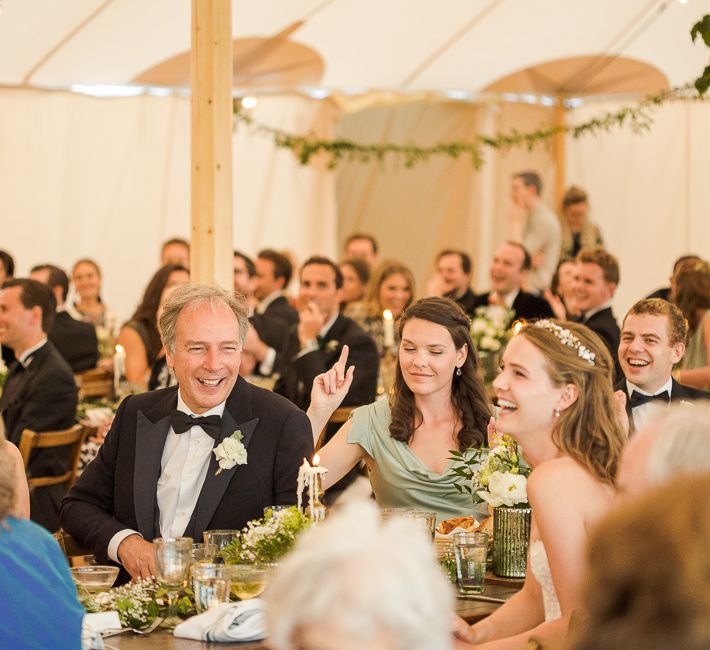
point(638, 117)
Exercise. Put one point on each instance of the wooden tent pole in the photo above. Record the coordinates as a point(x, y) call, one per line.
point(560, 152)
point(211, 171)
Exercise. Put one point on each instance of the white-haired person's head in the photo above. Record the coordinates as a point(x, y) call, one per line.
point(356, 583)
point(677, 443)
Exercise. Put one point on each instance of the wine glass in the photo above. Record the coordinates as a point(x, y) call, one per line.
point(173, 557)
point(249, 580)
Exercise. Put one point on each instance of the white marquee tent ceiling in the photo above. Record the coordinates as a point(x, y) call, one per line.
point(388, 44)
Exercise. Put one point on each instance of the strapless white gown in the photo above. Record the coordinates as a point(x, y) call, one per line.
point(540, 568)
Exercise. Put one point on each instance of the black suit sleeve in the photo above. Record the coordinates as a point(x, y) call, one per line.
point(295, 444)
point(86, 511)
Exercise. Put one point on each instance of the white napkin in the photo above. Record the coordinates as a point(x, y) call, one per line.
point(243, 621)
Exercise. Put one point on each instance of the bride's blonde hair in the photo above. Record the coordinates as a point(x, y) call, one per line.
point(589, 430)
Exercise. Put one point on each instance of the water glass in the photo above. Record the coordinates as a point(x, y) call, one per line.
point(470, 550)
point(173, 557)
point(203, 552)
point(426, 517)
point(219, 538)
point(210, 584)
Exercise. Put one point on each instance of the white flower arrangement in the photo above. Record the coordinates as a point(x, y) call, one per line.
point(230, 452)
point(490, 327)
point(135, 602)
point(497, 475)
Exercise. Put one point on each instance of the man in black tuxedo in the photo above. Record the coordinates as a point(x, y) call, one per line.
point(157, 471)
point(510, 265)
point(75, 340)
point(40, 392)
point(314, 345)
point(653, 339)
point(595, 280)
point(453, 278)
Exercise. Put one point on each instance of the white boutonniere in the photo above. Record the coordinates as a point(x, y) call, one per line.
point(332, 346)
point(230, 452)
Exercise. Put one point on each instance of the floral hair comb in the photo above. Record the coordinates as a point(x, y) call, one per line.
point(566, 337)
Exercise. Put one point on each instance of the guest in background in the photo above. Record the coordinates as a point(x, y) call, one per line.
point(40, 608)
point(648, 565)
point(328, 593)
point(362, 245)
point(356, 279)
point(692, 295)
point(89, 306)
point(273, 274)
point(537, 227)
point(139, 336)
point(75, 340)
point(595, 281)
point(40, 392)
point(666, 292)
point(160, 374)
point(653, 337)
point(510, 266)
point(560, 295)
point(244, 277)
point(391, 287)
point(175, 251)
point(7, 271)
point(453, 278)
point(578, 231)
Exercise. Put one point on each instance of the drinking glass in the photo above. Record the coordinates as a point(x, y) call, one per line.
point(173, 557)
point(470, 550)
point(249, 580)
point(219, 538)
point(210, 584)
point(426, 517)
point(203, 552)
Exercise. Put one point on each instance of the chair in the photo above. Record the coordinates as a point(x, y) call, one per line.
point(32, 440)
point(76, 555)
point(339, 416)
point(95, 383)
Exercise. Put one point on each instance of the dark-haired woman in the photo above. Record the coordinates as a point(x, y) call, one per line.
point(139, 336)
point(438, 404)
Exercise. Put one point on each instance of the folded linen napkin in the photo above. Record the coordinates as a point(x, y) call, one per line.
point(243, 621)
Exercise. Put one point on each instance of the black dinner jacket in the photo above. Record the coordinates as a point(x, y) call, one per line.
point(679, 393)
point(280, 308)
point(118, 488)
point(467, 300)
point(526, 305)
point(298, 373)
point(76, 341)
point(604, 324)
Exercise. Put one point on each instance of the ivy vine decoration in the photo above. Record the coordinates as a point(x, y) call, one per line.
point(702, 29)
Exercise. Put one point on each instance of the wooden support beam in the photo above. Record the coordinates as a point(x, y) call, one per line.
point(211, 173)
point(559, 144)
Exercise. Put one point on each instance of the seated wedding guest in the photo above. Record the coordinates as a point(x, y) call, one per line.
point(555, 398)
point(438, 404)
point(595, 281)
point(40, 392)
point(86, 276)
point(157, 472)
point(75, 340)
point(273, 274)
point(560, 295)
point(22, 492)
point(7, 271)
point(391, 287)
point(666, 292)
point(453, 279)
point(511, 264)
point(316, 342)
point(356, 279)
point(354, 583)
point(244, 276)
point(363, 246)
point(653, 337)
point(175, 251)
point(692, 295)
point(40, 608)
point(139, 336)
point(537, 227)
point(648, 567)
point(578, 231)
point(160, 375)
point(675, 444)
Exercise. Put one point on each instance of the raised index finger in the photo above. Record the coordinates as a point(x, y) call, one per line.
point(339, 366)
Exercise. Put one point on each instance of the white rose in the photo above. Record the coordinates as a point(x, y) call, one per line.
point(478, 327)
point(489, 343)
point(505, 489)
point(230, 452)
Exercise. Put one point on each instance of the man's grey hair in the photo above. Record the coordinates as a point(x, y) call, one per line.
point(8, 478)
point(364, 578)
point(189, 296)
point(682, 444)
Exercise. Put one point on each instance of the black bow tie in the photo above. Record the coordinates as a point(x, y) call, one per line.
point(638, 399)
point(211, 424)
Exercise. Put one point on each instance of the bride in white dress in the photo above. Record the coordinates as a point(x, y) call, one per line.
point(555, 398)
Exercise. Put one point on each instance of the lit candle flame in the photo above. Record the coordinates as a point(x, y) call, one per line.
point(517, 326)
point(387, 314)
point(119, 349)
point(316, 460)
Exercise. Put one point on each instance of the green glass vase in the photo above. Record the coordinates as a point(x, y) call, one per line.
point(511, 533)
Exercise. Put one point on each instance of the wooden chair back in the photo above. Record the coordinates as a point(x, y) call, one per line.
point(76, 555)
point(339, 416)
point(32, 440)
point(95, 383)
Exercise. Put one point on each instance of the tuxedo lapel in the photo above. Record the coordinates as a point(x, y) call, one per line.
point(236, 416)
point(150, 441)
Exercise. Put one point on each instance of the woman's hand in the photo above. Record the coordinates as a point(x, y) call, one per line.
point(620, 408)
point(329, 390)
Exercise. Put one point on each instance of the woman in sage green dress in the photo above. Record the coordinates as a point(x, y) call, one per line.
point(438, 404)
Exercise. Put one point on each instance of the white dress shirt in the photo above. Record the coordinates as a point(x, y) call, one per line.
point(646, 413)
point(183, 467)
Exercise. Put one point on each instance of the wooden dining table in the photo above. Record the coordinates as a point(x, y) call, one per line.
point(471, 609)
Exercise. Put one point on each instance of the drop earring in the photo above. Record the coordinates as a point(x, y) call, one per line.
point(557, 413)
point(458, 372)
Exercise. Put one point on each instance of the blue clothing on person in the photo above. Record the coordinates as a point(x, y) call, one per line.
point(39, 607)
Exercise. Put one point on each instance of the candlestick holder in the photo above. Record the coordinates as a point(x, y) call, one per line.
point(387, 373)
